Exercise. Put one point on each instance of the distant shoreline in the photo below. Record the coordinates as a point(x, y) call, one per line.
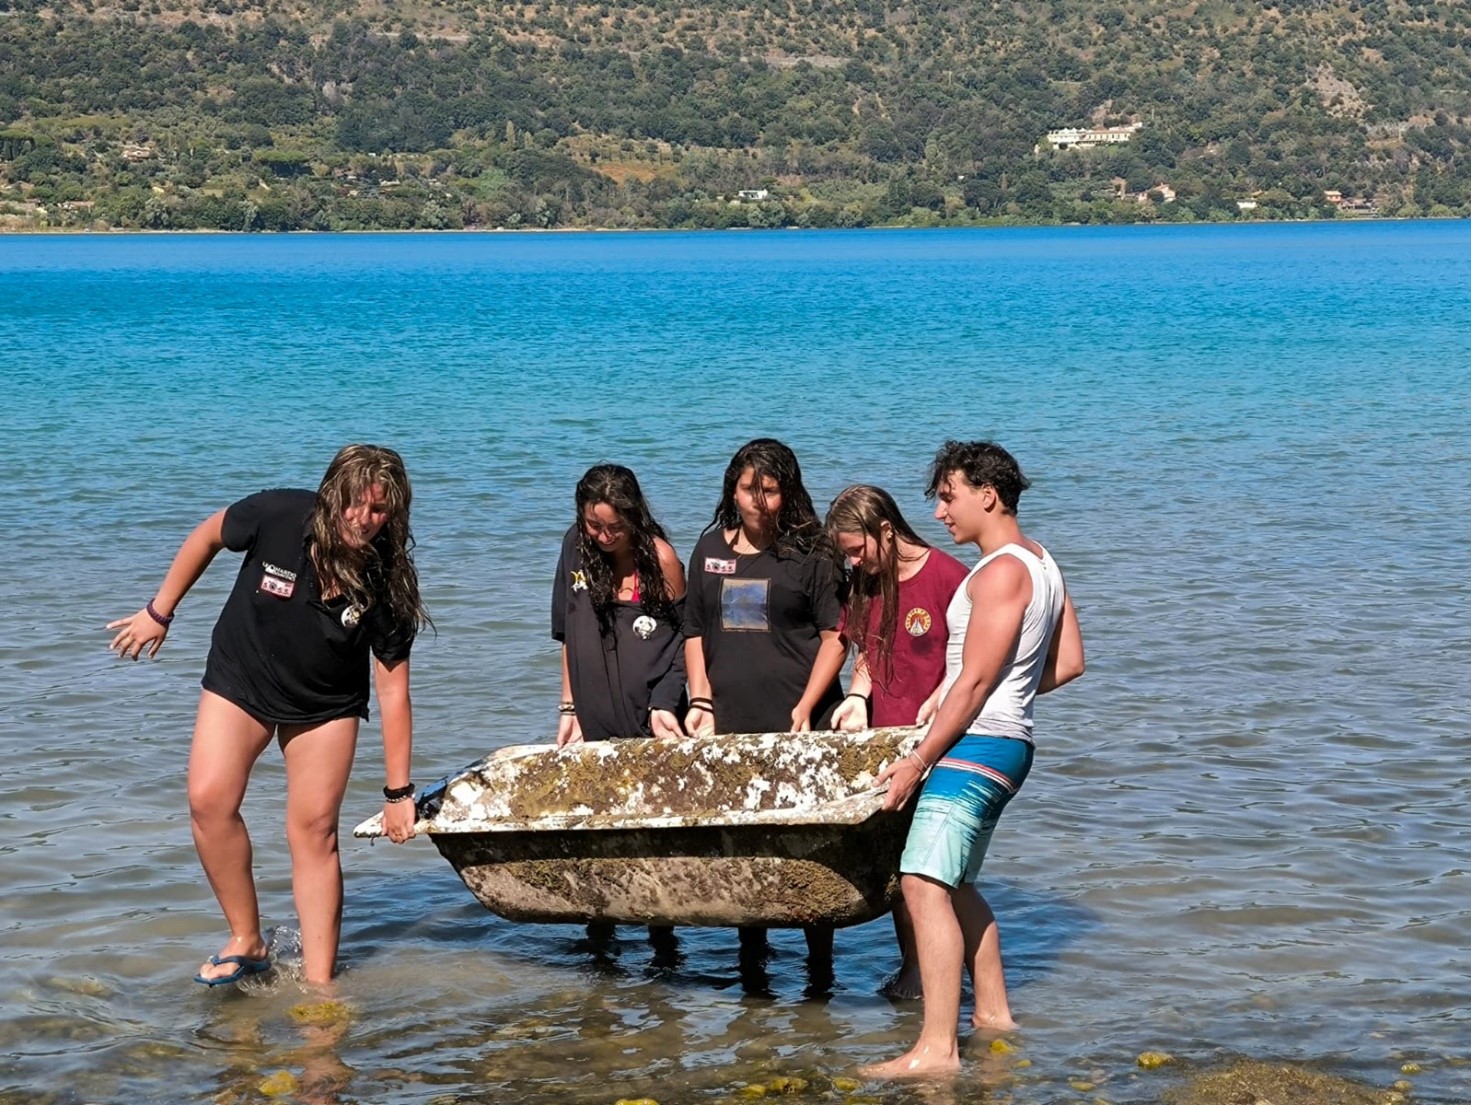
point(67, 231)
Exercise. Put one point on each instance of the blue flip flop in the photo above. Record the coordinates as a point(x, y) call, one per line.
point(244, 966)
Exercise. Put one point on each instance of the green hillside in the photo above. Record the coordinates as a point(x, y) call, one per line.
point(239, 114)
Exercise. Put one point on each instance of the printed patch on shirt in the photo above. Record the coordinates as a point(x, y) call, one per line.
point(743, 605)
point(351, 615)
point(918, 621)
point(579, 580)
point(644, 626)
point(715, 566)
point(277, 581)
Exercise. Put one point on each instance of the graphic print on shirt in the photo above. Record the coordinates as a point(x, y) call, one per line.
point(918, 621)
point(579, 580)
point(720, 567)
point(744, 605)
point(277, 581)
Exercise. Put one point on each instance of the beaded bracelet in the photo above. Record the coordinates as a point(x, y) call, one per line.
point(164, 620)
point(398, 794)
point(567, 708)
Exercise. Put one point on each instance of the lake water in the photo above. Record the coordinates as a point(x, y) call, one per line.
point(1246, 832)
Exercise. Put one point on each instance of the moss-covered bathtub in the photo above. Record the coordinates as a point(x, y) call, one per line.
point(773, 829)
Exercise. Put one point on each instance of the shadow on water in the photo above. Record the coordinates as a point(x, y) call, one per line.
point(1037, 930)
point(688, 1015)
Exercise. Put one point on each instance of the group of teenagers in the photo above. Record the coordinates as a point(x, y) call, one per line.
point(751, 637)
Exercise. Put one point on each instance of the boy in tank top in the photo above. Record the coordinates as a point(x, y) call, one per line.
point(1013, 634)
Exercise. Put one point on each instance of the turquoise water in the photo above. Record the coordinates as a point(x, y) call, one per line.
point(1246, 831)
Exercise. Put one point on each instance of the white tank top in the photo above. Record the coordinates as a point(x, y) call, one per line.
point(1007, 712)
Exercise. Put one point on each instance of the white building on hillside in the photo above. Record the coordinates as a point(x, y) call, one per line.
point(1085, 138)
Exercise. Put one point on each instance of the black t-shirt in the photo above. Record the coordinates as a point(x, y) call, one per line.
point(278, 650)
point(760, 616)
point(618, 678)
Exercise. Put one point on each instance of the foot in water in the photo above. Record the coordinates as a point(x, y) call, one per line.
point(903, 986)
point(993, 1025)
point(920, 1061)
point(241, 957)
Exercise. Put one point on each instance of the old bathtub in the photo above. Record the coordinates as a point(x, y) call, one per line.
point(770, 829)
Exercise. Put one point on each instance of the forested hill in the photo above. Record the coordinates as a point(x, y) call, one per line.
point(340, 114)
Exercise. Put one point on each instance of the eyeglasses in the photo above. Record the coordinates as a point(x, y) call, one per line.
point(611, 531)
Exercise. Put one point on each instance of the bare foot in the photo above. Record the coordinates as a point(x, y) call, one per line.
point(322, 991)
point(251, 948)
point(920, 1061)
point(903, 986)
point(993, 1024)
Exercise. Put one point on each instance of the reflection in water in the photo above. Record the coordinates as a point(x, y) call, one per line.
point(324, 1076)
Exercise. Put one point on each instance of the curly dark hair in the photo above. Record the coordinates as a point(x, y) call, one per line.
point(798, 531)
point(983, 464)
point(384, 569)
point(616, 486)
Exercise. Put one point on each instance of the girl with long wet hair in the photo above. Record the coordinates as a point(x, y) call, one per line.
point(761, 622)
point(895, 619)
point(327, 580)
point(617, 609)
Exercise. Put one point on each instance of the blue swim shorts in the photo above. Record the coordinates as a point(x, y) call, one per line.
point(959, 806)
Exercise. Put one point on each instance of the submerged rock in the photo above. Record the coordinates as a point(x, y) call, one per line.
point(321, 1013)
point(1248, 1082)
point(280, 1084)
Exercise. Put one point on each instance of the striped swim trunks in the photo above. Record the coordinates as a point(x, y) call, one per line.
point(959, 806)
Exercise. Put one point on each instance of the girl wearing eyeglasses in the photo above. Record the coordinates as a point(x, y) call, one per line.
point(618, 609)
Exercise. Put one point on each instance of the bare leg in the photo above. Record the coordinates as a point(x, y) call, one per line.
point(318, 761)
point(905, 985)
point(820, 976)
point(752, 960)
point(227, 742)
point(665, 945)
point(941, 950)
point(819, 942)
point(983, 958)
point(753, 940)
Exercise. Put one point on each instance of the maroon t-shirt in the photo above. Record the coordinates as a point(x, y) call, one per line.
point(918, 661)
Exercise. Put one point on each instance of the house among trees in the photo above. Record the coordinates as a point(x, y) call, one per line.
point(1158, 193)
point(1085, 138)
point(1334, 198)
point(753, 195)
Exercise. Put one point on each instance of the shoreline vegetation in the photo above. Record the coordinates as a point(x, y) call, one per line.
point(267, 115)
point(1011, 224)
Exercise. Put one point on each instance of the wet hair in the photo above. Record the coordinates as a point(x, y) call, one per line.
point(863, 509)
point(383, 570)
point(983, 464)
point(798, 531)
point(617, 487)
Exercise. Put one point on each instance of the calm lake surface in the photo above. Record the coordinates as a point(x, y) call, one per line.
point(1247, 830)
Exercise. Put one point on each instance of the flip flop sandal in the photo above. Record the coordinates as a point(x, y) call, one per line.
point(244, 966)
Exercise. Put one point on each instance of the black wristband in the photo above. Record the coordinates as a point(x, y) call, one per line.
point(855, 694)
point(702, 704)
point(398, 794)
